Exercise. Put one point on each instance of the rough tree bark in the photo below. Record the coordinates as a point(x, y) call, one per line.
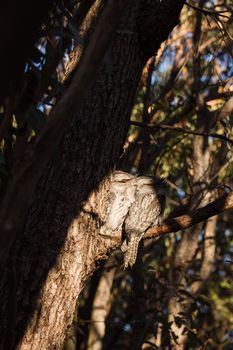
point(101, 306)
point(60, 246)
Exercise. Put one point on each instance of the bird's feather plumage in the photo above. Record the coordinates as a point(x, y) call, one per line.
point(130, 204)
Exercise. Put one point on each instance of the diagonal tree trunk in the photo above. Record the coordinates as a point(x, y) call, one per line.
point(60, 244)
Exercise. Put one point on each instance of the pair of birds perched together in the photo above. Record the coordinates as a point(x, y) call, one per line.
point(130, 204)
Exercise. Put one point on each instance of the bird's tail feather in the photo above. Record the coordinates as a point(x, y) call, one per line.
point(130, 250)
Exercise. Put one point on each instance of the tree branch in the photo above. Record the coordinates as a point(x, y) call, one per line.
point(178, 223)
point(194, 217)
point(185, 131)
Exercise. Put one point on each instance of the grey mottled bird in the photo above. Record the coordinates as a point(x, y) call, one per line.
point(119, 196)
point(146, 211)
point(132, 204)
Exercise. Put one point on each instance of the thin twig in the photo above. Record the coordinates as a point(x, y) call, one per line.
point(209, 12)
point(178, 129)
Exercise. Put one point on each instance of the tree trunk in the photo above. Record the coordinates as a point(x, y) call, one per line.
point(101, 307)
point(203, 194)
point(60, 245)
